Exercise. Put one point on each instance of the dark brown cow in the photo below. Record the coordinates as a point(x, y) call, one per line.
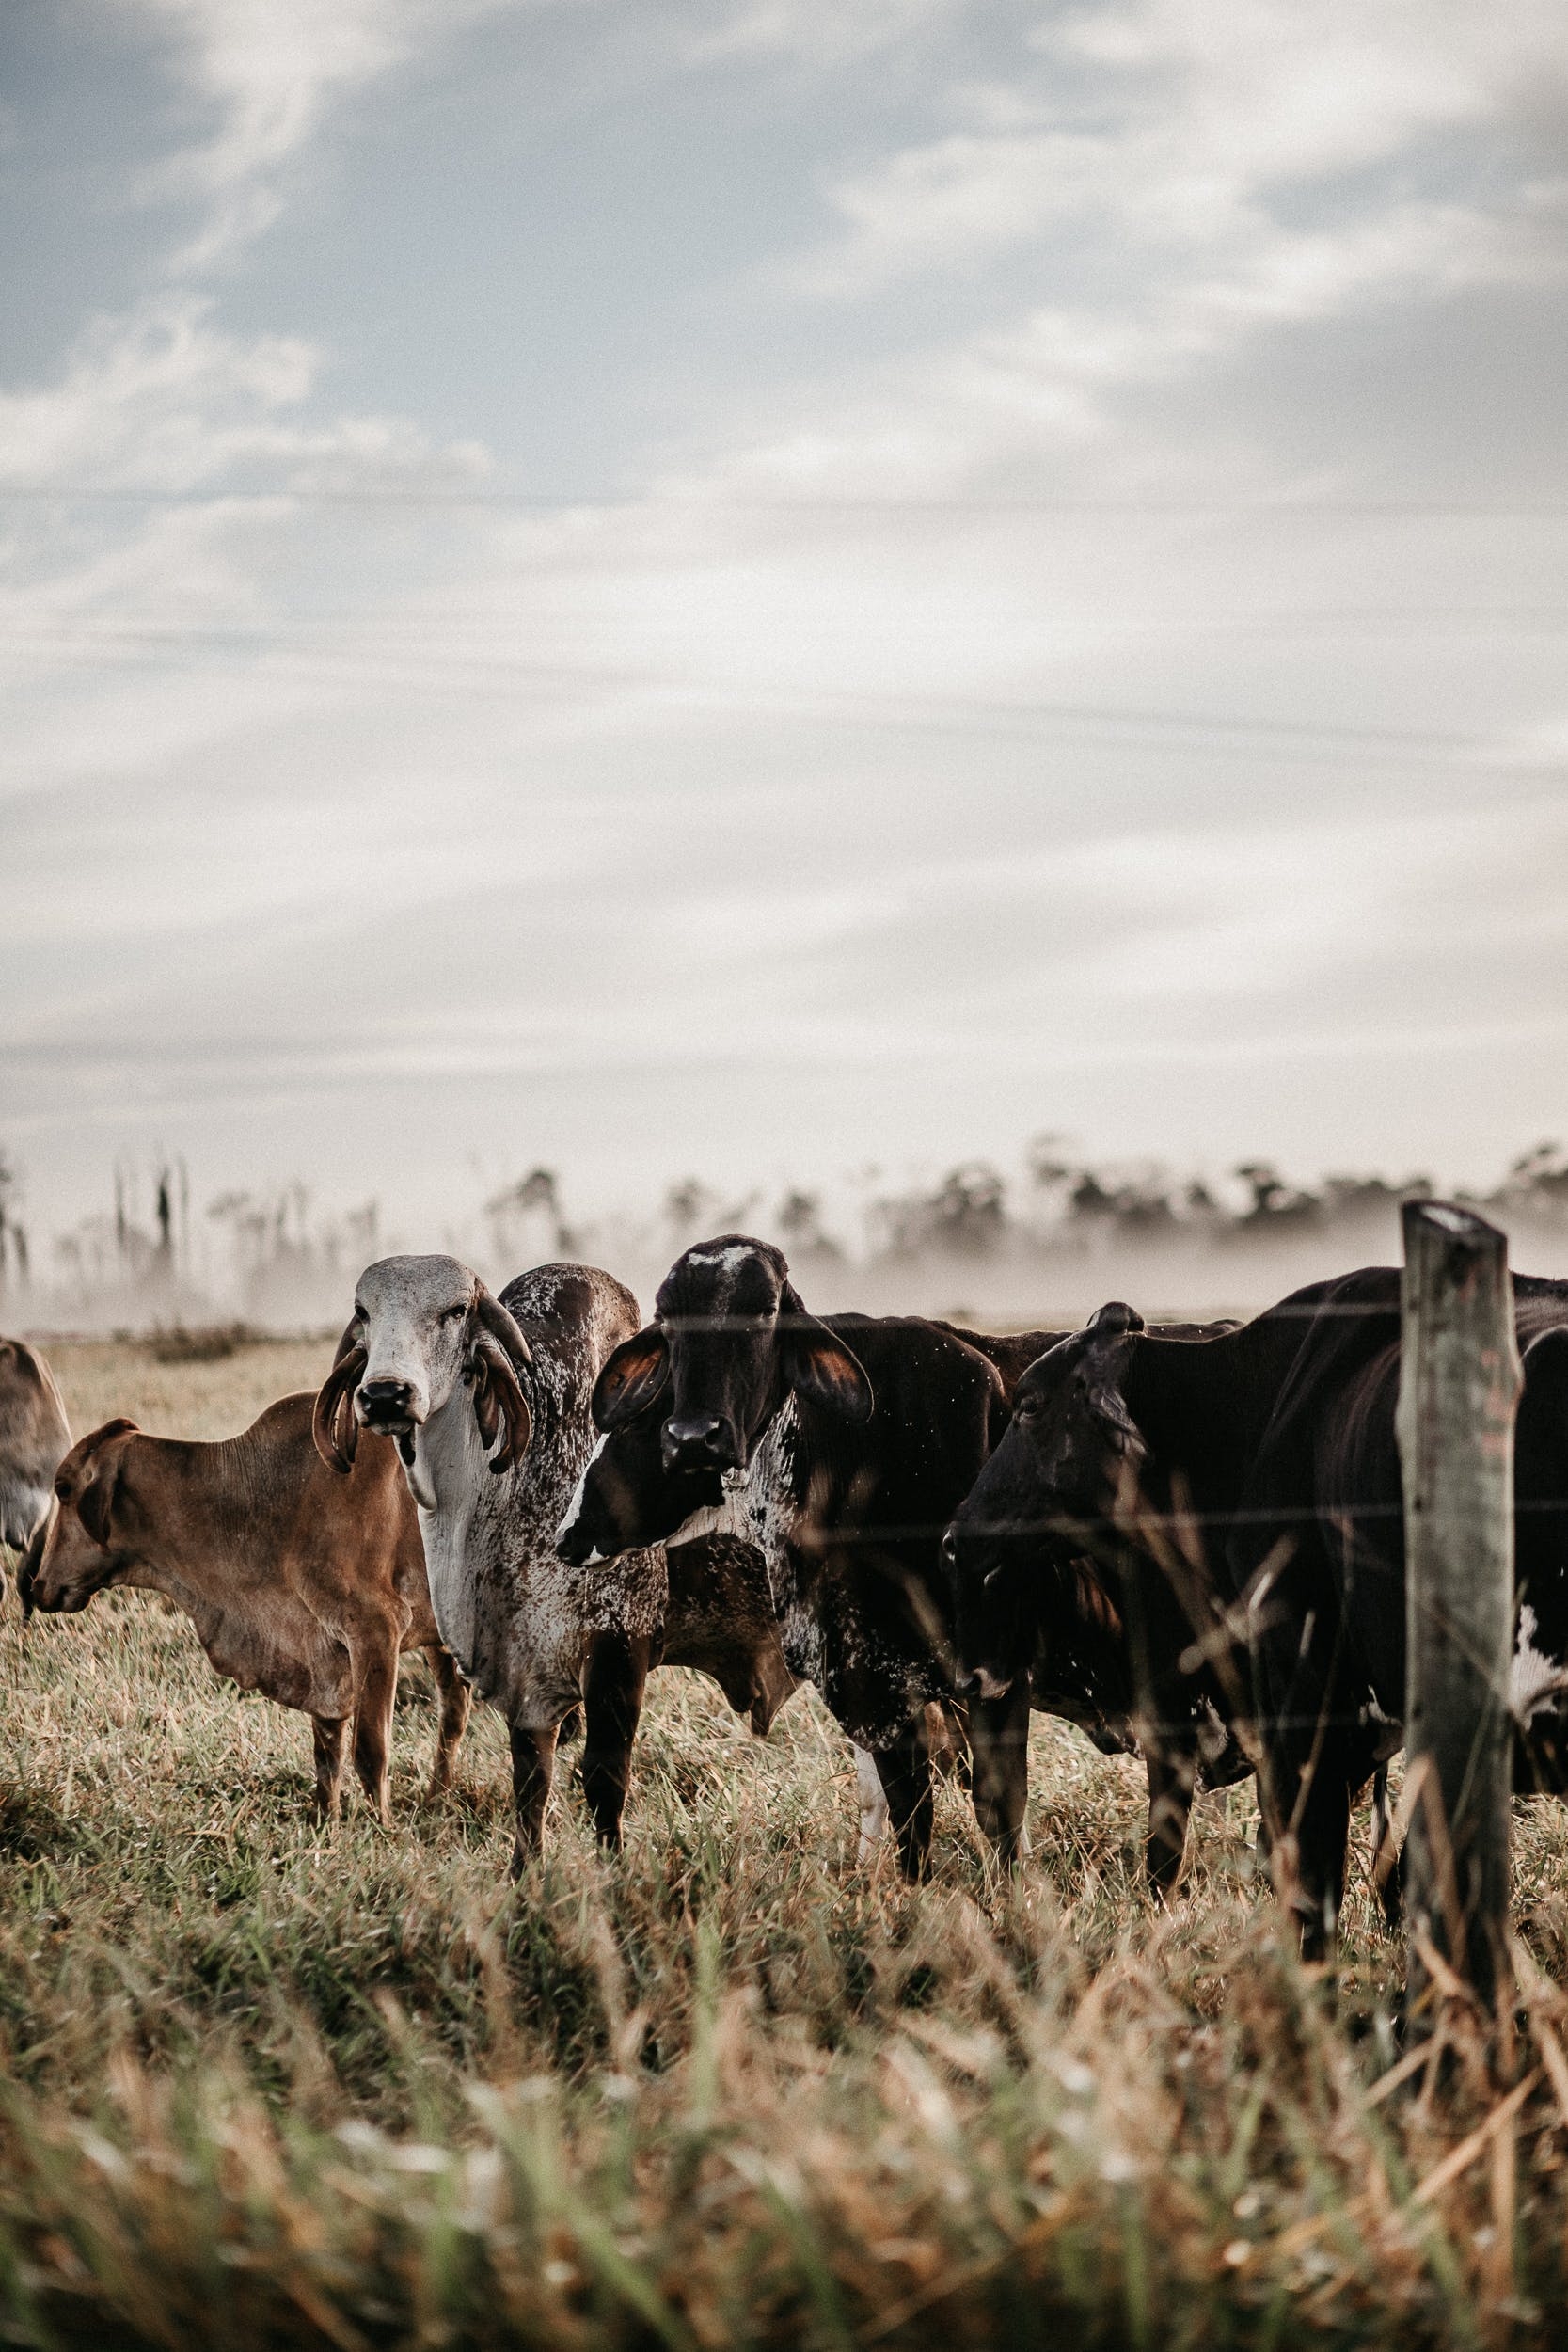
point(300, 1584)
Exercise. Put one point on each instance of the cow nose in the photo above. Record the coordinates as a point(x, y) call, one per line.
point(385, 1401)
point(699, 1441)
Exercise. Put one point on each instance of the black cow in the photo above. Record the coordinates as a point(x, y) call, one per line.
point(840, 1449)
point(1320, 1543)
point(1091, 1552)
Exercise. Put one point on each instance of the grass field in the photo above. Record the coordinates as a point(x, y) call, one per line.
point(262, 2084)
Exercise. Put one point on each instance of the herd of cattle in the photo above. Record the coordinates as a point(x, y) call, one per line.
point(1186, 1539)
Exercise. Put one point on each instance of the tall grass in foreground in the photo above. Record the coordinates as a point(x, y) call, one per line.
point(260, 2085)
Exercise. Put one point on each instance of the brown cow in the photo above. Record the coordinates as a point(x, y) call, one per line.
point(35, 1438)
point(301, 1584)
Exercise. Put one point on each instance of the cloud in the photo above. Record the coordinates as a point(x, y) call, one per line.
point(1165, 124)
point(164, 399)
point(265, 74)
point(818, 32)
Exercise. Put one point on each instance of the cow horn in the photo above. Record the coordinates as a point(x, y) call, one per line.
point(499, 1404)
point(332, 1421)
point(502, 1325)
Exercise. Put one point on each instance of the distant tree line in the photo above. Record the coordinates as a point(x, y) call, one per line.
point(277, 1255)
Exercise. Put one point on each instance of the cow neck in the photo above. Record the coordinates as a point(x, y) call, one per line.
point(761, 1508)
point(228, 1525)
point(453, 1486)
point(222, 1482)
point(1202, 1405)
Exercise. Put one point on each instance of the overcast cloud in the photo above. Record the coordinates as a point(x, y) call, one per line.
point(758, 586)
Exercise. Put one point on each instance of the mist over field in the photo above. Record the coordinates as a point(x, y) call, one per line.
point(1045, 1242)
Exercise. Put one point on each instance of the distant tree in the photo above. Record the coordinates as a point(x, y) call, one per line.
point(688, 1211)
point(798, 1221)
point(1275, 1202)
point(1537, 1180)
point(523, 1214)
point(967, 1212)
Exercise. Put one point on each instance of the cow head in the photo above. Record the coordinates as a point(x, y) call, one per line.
point(90, 1538)
point(421, 1328)
point(626, 1499)
point(730, 1341)
point(1017, 1541)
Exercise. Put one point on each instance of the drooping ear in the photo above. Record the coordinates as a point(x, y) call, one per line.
point(819, 1367)
point(332, 1423)
point(99, 1462)
point(630, 1379)
point(499, 1406)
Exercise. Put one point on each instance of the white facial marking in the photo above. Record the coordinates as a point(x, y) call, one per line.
point(732, 1257)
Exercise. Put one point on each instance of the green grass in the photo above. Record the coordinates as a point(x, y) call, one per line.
point(264, 2084)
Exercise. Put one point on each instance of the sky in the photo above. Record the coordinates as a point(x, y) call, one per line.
point(767, 588)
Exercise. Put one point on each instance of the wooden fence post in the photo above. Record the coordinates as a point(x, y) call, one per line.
point(1459, 1388)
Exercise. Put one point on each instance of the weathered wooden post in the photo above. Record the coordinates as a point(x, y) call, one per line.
point(1459, 1388)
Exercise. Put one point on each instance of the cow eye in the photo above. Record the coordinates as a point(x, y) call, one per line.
point(1027, 1409)
point(449, 1314)
point(991, 1575)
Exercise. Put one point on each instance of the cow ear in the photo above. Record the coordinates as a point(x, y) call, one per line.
point(818, 1366)
point(332, 1423)
point(98, 1480)
point(630, 1379)
point(500, 1408)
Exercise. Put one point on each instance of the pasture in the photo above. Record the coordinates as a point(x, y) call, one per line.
point(268, 2084)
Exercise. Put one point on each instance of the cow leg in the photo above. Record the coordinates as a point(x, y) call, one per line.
point(533, 1771)
point(1309, 1803)
point(372, 1728)
point(999, 1740)
point(948, 1740)
point(329, 1737)
point(613, 1705)
point(1172, 1777)
point(873, 1812)
point(457, 1700)
point(1321, 1837)
point(905, 1773)
point(1390, 1885)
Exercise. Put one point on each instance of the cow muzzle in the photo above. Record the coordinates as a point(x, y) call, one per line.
point(700, 1441)
point(391, 1408)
